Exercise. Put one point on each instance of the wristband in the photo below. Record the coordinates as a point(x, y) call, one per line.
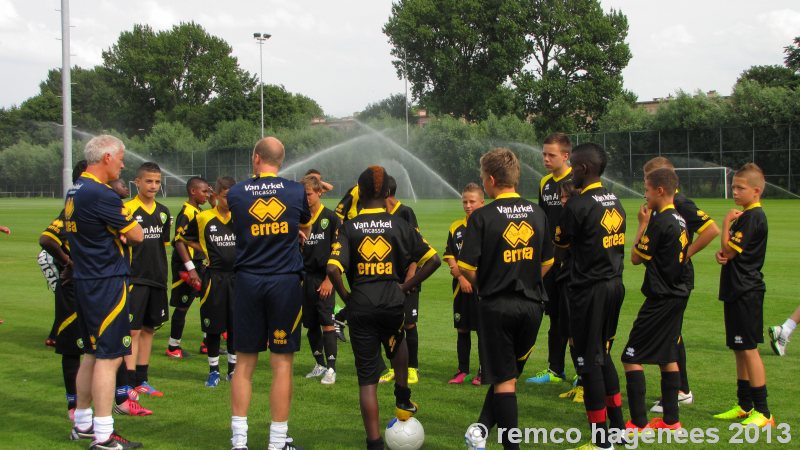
point(189, 265)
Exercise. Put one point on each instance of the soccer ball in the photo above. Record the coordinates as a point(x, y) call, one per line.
point(404, 435)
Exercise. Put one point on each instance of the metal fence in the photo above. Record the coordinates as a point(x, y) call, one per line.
point(776, 149)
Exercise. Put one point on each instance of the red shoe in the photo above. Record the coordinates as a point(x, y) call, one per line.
point(631, 429)
point(225, 335)
point(458, 378)
point(203, 348)
point(177, 353)
point(50, 342)
point(658, 423)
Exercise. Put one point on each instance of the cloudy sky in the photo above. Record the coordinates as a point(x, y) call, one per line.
point(335, 52)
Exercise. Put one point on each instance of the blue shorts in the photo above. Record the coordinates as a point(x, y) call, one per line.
point(268, 312)
point(102, 310)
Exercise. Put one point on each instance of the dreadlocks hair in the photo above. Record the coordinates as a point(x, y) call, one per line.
point(372, 183)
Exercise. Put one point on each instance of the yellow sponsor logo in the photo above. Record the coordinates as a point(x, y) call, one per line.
point(612, 221)
point(618, 239)
point(279, 337)
point(516, 234)
point(374, 249)
point(271, 209)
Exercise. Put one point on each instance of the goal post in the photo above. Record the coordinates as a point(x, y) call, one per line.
point(713, 174)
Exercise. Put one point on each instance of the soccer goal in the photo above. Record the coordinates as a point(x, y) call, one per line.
point(705, 181)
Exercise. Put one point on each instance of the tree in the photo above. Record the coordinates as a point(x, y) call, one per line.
point(577, 52)
point(624, 115)
point(392, 106)
point(457, 54)
point(688, 112)
point(792, 59)
point(178, 72)
point(771, 76)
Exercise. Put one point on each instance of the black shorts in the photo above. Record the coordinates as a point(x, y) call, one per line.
point(103, 316)
point(507, 332)
point(316, 311)
point(593, 317)
point(465, 309)
point(147, 305)
point(744, 321)
point(412, 307)
point(268, 312)
point(655, 333)
point(182, 295)
point(369, 330)
point(68, 333)
point(216, 305)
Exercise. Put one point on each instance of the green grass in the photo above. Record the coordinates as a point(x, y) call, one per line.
point(32, 409)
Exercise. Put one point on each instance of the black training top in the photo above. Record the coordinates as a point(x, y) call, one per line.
point(748, 237)
point(663, 247)
point(317, 248)
point(507, 243)
point(593, 227)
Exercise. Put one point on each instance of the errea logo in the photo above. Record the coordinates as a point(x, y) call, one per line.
point(279, 337)
point(271, 209)
point(612, 220)
point(376, 249)
point(516, 234)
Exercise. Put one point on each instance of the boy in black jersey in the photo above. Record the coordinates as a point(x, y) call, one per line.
point(183, 294)
point(394, 207)
point(592, 227)
point(506, 252)
point(148, 290)
point(741, 287)
point(374, 249)
point(465, 299)
point(317, 288)
point(211, 233)
point(697, 221)
point(661, 244)
point(555, 155)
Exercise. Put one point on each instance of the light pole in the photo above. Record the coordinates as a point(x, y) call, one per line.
point(261, 37)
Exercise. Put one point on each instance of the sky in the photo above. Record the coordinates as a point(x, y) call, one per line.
point(336, 53)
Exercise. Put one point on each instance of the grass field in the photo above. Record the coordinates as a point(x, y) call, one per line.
point(190, 416)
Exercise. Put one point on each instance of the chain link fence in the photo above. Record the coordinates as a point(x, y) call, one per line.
point(711, 154)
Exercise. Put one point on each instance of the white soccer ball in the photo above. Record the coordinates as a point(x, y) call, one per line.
point(404, 435)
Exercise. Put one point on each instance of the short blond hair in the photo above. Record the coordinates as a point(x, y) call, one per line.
point(753, 174)
point(502, 165)
point(659, 162)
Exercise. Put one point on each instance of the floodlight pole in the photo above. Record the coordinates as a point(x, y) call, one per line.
point(405, 72)
point(66, 99)
point(261, 37)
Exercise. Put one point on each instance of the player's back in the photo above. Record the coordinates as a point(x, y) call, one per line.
point(593, 226)
point(508, 242)
point(267, 213)
point(93, 214)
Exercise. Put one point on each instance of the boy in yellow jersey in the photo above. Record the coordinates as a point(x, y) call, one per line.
point(147, 293)
point(465, 299)
point(211, 233)
point(741, 287)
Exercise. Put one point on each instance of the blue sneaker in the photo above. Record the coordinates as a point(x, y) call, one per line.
point(546, 376)
point(145, 388)
point(213, 379)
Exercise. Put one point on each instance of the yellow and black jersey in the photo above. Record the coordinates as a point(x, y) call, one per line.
point(696, 222)
point(350, 205)
point(317, 248)
point(149, 259)
point(58, 232)
point(185, 215)
point(748, 237)
point(592, 226)
point(95, 217)
point(550, 197)
point(406, 213)
point(663, 247)
point(507, 243)
point(455, 239)
point(377, 246)
point(214, 233)
point(268, 212)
